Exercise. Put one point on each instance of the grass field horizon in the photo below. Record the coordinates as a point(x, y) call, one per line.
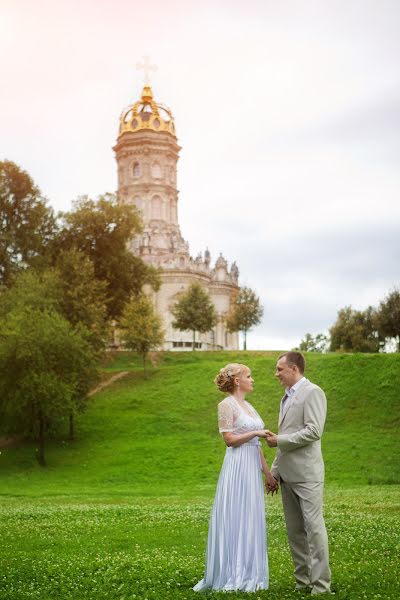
point(122, 511)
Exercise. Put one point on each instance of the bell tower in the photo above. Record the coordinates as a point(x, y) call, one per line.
point(147, 155)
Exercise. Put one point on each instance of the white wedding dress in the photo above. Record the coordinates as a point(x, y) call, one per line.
point(236, 556)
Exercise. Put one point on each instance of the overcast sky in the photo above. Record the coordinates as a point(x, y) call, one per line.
point(288, 114)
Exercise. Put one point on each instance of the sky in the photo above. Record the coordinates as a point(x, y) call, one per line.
point(288, 115)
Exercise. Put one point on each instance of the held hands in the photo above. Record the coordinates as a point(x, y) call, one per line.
point(271, 484)
point(271, 438)
point(262, 433)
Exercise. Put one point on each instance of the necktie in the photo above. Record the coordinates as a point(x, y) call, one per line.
point(285, 397)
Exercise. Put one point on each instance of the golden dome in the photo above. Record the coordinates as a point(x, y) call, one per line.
point(146, 114)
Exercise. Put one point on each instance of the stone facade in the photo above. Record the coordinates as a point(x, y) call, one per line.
point(147, 155)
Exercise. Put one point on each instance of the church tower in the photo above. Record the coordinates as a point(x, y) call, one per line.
point(147, 155)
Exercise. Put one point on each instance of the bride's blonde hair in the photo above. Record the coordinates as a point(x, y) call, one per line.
point(225, 380)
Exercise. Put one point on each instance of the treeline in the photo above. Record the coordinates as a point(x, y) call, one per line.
point(64, 280)
point(371, 330)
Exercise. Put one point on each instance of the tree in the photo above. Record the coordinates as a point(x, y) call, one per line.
point(83, 298)
point(82, 301)
point(141, 328)
point(46, 369)
point(102, 229)
point(45, 293)
point(317, 343)
point(388, 317)
point(194, 311)
point(246, 312)
point(355, 331)
point(27, 225)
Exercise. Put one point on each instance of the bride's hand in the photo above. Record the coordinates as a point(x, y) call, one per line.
point(262, 433)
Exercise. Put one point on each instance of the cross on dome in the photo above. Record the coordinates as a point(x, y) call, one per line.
point(147, 67)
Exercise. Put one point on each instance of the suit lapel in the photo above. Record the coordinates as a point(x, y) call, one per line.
point(286, 406)
point(290, 401)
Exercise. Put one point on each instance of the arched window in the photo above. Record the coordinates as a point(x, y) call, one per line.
point(172, 210)
point(156, 170)
point(156, 207)
point(136, 169)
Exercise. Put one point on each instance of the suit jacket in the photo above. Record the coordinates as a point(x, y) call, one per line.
point(301, 423)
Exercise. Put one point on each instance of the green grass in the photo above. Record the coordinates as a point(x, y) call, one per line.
point(122, 511)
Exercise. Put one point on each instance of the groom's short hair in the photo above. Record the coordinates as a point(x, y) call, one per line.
point(295, 358)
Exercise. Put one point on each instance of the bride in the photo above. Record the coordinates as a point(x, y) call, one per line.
point(236, 556)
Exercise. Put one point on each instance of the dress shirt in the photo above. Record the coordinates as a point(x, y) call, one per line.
point(290, 391)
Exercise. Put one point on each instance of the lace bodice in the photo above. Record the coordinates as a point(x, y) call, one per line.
point(232, 417)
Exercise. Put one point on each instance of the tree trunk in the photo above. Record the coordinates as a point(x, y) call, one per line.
point(194, 340)
point(71, 427)
point(41, 458)
point(245, 340)
point(144, 366)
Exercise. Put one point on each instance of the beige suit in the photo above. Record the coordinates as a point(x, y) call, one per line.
point(300, 467)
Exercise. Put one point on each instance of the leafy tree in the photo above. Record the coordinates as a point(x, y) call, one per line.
point(83, 297)
point(141, 328)
point(194, 311)
point(355, 331)
point(32, 296)
point(246, 312)
point(388, 317)
point(83, 303)
point(102, 229)
point(27, 225)
point(46, 369)
point(317, 343)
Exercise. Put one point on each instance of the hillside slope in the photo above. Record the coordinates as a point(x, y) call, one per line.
point(159, 436)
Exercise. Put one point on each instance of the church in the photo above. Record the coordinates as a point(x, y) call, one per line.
point(147, 153)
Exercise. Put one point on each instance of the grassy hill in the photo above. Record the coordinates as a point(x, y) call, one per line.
point(159, 436)
point(122, 512)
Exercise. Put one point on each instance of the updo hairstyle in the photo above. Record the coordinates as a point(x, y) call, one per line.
point(225, 380)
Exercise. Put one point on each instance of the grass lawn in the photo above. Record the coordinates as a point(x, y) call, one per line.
point(122, 512)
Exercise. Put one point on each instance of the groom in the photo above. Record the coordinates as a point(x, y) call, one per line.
point(299, 467)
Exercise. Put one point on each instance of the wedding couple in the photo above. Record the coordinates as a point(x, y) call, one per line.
point(236, 557)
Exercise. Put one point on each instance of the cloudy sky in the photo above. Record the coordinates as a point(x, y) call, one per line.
point(288, 114)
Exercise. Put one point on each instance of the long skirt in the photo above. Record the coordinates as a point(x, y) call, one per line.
point(236, 556)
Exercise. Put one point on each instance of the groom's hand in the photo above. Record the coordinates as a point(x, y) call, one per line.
point(272, 439)
point(271, 484)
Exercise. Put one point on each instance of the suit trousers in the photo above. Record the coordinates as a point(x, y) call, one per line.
point(308, 539)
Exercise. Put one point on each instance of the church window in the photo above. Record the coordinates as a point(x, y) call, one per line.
point(156, 207)
point(136, 169)
point(156, 171)
point(172, 211)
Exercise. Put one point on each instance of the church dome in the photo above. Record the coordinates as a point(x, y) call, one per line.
point(146, 114)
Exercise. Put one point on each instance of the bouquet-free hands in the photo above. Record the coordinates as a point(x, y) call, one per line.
point(271, 439)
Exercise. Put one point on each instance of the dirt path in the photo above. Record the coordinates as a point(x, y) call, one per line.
point(108, 382)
